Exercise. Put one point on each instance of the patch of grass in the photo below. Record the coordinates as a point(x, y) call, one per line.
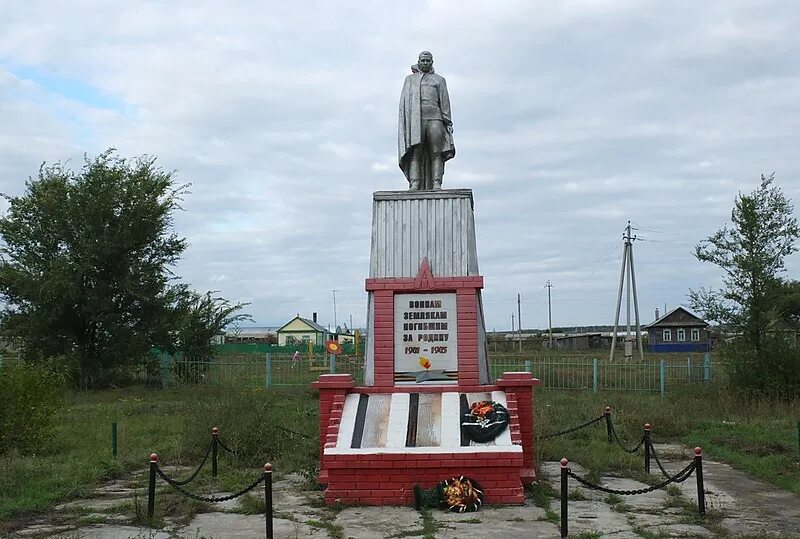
point(589, 535)
point(763, 447)
point(334, 530)
point(173, 423)
point(251, 505)
point(88, 520)
point(577, 495)
point(648, 533)
point(471, 521)
point(757, 436)
point(613, 499)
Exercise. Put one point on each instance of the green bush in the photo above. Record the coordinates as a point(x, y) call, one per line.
point(774, 371)
point(30, 395)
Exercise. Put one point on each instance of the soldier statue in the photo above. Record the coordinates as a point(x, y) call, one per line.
point(425, 127)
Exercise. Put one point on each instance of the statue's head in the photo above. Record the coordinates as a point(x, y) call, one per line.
point(425, 62)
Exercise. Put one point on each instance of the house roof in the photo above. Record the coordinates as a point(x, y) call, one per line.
point(677, 317)
point(313, 325)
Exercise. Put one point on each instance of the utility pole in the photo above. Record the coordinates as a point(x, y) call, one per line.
point(627, 268)
point(512, 323)
point(350, 327)
point(548, 286)
point(519, 321)
point(334, 307)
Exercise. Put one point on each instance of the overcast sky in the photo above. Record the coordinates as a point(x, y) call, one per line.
point(570, 119)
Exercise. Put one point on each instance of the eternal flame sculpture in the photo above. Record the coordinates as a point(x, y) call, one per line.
point(425, 127)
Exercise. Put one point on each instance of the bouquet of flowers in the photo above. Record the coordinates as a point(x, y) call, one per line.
point(460, 494)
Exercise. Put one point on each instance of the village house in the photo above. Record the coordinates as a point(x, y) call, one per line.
point(678, 331)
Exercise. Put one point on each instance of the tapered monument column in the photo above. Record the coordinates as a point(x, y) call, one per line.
point(425, 314)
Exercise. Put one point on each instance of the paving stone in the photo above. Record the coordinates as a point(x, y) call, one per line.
point(377, 522)
point(593, 517)
point(498, 521)
point(649, 500)
point(552, 470)
point(231, 526)
point(684, 530)
point(647, 520)
point(115, 489)
point(103, 531)
point(40, 530)
point(94, 504)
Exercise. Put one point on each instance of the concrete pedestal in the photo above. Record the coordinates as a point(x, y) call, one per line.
point(426, 362)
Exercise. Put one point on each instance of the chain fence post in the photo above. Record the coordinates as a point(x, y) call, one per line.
point(647, 443)
point(332, 361)
point(698, 473)
point(151, 487)
point(114, 438)
point(268, 498)
point(214, 450)
point(689, 369)
point(706, 367)
point(662, 382)
point(607, 414)
point(564, 494)
point(594, 375)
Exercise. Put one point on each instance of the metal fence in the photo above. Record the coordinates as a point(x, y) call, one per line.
point(594, 374)
point(267, 370)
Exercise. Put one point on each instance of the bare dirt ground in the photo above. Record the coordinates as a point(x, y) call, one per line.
point(738, 506)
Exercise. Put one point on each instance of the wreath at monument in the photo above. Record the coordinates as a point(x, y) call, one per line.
point(460, 494)
point(485, 421)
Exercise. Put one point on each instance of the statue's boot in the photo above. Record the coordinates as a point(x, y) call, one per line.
point(413, 185)
point(437, 169)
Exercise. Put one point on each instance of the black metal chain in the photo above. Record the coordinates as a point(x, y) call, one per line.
point(658, 462)
point(225, 447)
point(573, 429)
point(619, 442)
point(197, 471)
point(680, 477)
point(209, 499)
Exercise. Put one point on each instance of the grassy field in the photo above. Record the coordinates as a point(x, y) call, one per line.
point(759, 437)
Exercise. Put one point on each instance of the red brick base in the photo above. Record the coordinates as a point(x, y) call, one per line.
point(388, 479)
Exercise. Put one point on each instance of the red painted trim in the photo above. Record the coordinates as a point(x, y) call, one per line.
point(438, 284)
point(460, 388)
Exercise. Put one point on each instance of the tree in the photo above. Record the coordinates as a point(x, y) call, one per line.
point(85, 269)
point(203, 317)
point(751, 254)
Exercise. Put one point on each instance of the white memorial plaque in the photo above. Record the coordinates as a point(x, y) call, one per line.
point(425, 337)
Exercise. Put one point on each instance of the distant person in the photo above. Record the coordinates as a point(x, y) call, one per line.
point(295, 358)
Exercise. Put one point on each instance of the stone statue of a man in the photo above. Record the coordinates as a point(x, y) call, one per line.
point(425, 127)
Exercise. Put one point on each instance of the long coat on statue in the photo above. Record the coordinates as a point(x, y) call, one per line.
point(409, 125)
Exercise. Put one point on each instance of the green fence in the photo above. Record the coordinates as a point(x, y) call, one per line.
point(595, 374)
point(267, 370)
point(272, 370)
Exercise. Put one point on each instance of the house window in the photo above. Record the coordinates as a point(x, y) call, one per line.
point(695, 334)
point(681, 335)
point(667, 335)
